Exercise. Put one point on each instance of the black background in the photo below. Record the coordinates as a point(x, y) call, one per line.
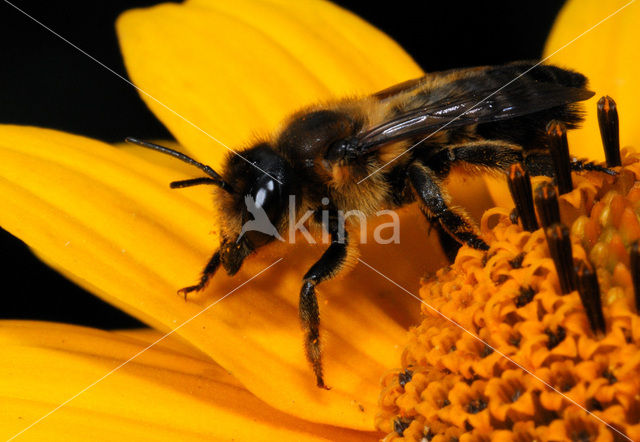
point(45, 82)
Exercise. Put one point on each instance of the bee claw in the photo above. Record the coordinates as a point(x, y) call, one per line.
point(478, 243)
point(321, 384)
point(186, 290)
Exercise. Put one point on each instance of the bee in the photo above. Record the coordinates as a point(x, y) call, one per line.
point(385, 151)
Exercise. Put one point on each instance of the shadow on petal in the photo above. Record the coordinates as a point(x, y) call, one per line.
point(165, 392)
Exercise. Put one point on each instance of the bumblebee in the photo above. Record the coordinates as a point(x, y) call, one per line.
point(385, 151)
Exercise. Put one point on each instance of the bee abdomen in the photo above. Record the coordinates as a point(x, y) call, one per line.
point(540, 73)
point(527, 131)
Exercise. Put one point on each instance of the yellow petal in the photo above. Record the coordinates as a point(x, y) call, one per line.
point(236, 69)
point(166, 393)
point(608, 56)
point(106, 218)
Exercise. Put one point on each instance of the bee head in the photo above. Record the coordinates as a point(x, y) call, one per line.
point(252, 197)
point(258, 207)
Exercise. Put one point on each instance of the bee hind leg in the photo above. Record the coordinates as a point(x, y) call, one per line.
point(540, 163)
point(496, 155)
point(489, 155)
point(436, 204)
point(208, 271)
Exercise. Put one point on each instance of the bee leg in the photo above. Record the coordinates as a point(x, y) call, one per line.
point(208, 271)
point(448, 243)
point(540, 163)
point(331, 262)
point(436, 202)
point(485, 154)
point(580, 165)
point(499, 155)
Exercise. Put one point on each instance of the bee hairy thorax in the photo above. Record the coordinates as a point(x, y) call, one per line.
point(310, 141)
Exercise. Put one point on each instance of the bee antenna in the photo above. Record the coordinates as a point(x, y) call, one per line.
point(215, 179)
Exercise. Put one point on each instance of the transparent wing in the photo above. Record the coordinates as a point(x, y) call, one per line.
point(462, 108)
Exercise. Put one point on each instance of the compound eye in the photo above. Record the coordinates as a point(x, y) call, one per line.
point(265, 205)
point(267, 198)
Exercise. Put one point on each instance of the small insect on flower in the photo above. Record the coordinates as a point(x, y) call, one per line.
point(385, 151)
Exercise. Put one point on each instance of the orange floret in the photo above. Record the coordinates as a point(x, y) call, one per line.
point(524, 360)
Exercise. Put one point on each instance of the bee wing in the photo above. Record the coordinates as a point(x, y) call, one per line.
point(480, 106)
point(399, 88)
point(414, 83)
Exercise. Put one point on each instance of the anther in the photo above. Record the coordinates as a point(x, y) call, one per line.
point(546, 200)
point(400, 424)
point(559, 149)
point(560, 250)
point(609, 130)
point(634, 268)
point(555, 337)
point(405, 377)
point(520, 188)
point(587, 285)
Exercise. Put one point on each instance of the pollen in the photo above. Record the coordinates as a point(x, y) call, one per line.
point(506, 352)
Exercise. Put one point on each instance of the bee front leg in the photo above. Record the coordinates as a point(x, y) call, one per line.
point(208, 271)
point(436, 204)
point(332, 261)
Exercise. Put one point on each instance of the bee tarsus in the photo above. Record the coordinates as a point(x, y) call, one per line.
point(207, 273)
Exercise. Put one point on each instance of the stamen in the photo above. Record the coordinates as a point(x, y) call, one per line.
point(560, 250)
point(475, 406)
point(405, 377)
point(634, 268)
point(587, 285)
point(547, 204)
point(400, 424)
point(525, 297)
point(555, 337)
point(520, 188)
point(559, 149)
point(609, 130)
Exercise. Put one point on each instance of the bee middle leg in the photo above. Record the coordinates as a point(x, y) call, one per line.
point(436, 204)
point(450, 246)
